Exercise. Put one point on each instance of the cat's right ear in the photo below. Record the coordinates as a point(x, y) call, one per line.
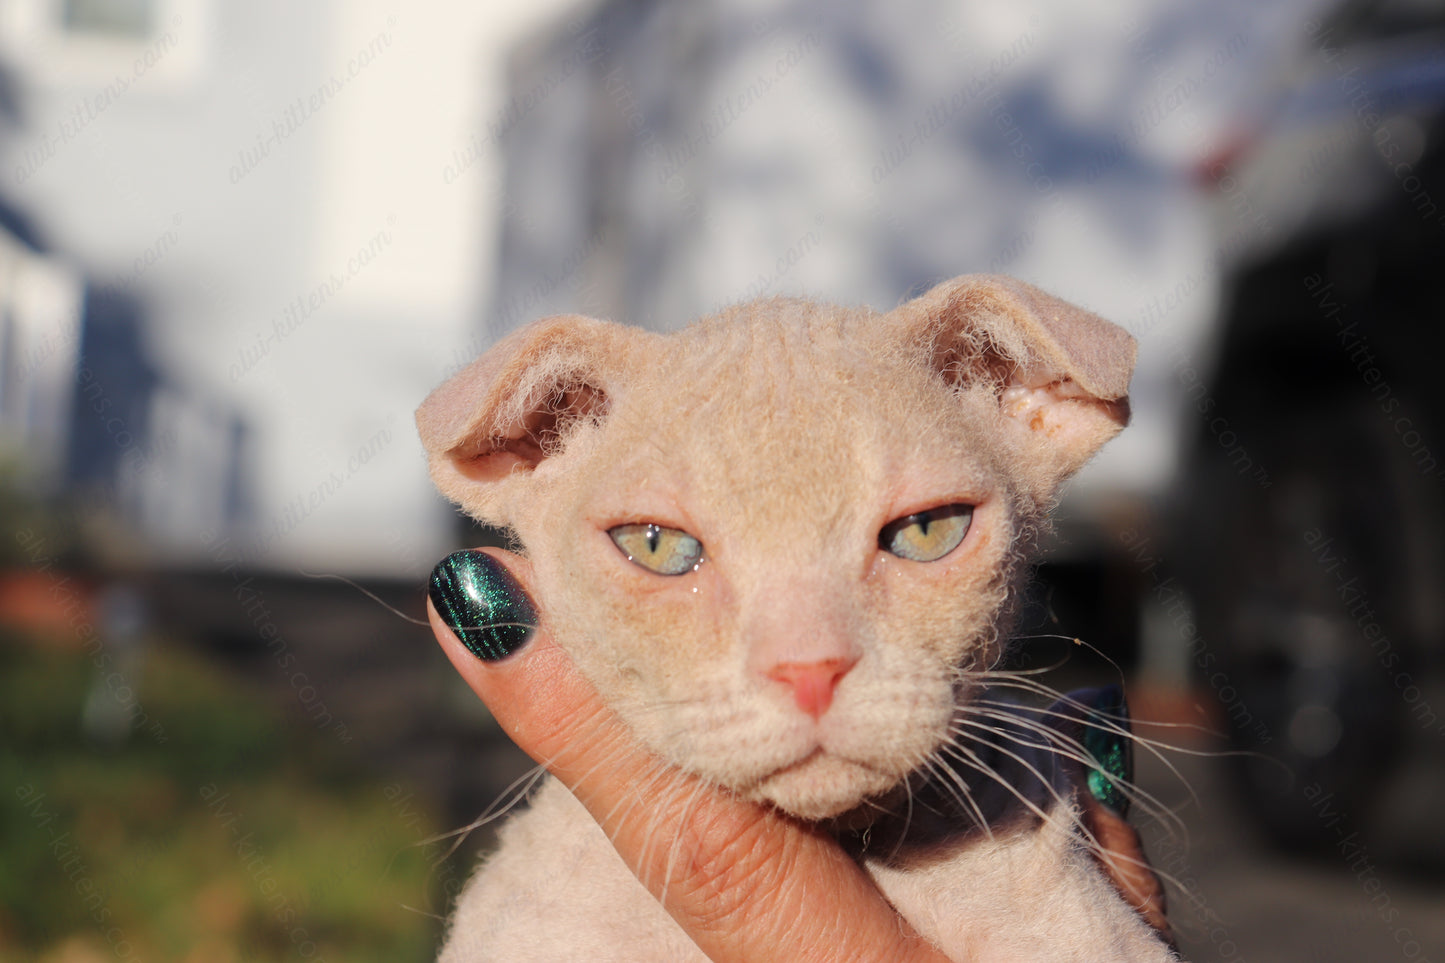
point(496, 420)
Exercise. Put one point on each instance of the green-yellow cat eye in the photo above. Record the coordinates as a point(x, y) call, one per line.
point(666, 551)
point(927, 536)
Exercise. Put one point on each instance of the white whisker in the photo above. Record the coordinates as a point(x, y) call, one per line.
point(987, 770)
point(1070, 748)
point(958, 788)
point(504, 803)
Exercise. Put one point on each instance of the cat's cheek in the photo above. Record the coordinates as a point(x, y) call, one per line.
point(647, 639)
point(939, 605)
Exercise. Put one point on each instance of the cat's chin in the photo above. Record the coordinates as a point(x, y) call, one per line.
point(822, 786)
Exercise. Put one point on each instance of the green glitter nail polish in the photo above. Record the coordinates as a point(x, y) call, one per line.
point(1106, 739)
point(480, 601)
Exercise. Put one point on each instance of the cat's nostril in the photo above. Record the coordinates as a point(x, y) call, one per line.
point(812, 682)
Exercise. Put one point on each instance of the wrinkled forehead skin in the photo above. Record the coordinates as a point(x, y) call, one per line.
point(1058, 373)
point(784, 428)
point(784, 437)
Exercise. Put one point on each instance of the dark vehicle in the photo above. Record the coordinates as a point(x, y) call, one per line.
point(1312, 529)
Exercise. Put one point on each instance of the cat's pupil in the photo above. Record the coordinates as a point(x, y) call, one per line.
point(929, 535)
point(657, 548)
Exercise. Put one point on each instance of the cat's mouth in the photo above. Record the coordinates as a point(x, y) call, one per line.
point(822, 784)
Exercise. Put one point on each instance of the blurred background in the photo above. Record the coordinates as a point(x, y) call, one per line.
point(240, 242)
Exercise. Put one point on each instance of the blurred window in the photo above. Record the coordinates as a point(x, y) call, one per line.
point(106, 45)
point(117, 19)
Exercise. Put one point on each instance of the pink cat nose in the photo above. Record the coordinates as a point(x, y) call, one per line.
point(812, 682)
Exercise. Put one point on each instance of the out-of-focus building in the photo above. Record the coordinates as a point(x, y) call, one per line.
point(288, 220)
point(664, 160)
point(40, 308)
point(96, 154)
point(274, 222)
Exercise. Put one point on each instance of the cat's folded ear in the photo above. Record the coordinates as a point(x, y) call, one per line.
point(1059, 371)
point(518, 404)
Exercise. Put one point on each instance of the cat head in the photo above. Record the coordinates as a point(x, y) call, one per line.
point(781, 541)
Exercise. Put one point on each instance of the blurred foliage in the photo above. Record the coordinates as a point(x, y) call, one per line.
point(213, 833)
point(23, 508)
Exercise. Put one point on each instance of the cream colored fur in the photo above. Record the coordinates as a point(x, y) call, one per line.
point(784, 435)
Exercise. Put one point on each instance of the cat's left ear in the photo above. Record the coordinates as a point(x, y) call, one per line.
point(1059, 372)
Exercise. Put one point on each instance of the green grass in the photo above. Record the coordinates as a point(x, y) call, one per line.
point(215, 834)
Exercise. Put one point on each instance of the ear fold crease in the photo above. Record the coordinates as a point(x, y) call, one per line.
point(1061, 371)
point(515, 405)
